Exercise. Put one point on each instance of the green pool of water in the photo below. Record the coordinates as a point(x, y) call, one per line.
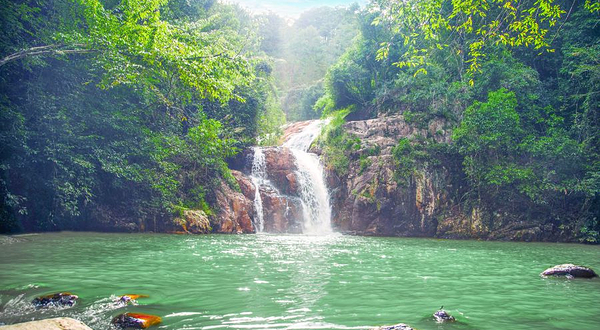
point(299, 282)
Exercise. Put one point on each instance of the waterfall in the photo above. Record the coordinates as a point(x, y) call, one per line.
point(311, 180)
point(258, 176)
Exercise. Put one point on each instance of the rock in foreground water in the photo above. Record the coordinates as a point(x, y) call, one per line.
point(136, 320)
point(570, 271)
point(399, 326)
point(60, 299)
point(130, 299)
point(60, 323)
point(443, 316)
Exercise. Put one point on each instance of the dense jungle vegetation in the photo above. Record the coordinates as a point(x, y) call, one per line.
point(131, 109)
point(120, 109)
point(517, 83)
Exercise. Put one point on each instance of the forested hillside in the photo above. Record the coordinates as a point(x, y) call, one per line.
point(120, 110)
point(121, 115)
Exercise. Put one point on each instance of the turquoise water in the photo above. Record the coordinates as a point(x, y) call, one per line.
point(299, 282)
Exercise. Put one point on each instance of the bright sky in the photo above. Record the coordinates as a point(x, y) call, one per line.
point(291, 8)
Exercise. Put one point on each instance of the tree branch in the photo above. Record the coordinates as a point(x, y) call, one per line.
point(56, 49)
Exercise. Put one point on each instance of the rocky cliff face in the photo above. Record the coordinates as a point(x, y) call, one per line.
point(235, 210)
point(370, 199)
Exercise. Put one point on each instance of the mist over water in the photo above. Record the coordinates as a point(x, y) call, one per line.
point(300, 281)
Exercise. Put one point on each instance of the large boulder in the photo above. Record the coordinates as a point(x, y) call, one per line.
point(59, 323)
point(569, 271)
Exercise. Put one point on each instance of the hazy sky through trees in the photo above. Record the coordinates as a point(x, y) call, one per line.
point(291, 8)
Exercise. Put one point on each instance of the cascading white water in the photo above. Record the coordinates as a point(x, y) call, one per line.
point(311, 180)
point(258, 176)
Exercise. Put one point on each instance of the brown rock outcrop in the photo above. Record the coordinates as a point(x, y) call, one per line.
point(235, 210)
point(281, 167)
point(293, 128)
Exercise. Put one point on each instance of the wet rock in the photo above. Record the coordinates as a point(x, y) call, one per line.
point(136, 320)
point(399, 326)
point(60, 323)
point(282, 214)
point(61, 299)
point(281, 206)
point(281, 169)
point(570, 271)
point(442, 316)
point(129, 299)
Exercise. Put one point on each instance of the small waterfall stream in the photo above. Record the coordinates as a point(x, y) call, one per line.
point(311, 178)
point(258, 176)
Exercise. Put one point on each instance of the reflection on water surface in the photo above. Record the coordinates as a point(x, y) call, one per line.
point(299, 282)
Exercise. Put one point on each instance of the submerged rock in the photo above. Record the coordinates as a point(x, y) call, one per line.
point(399, 326)
point(129, 299)
point(57, 299)
point(136, 320)
point(569, 271)
point(59, 323)
point(443, 316)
